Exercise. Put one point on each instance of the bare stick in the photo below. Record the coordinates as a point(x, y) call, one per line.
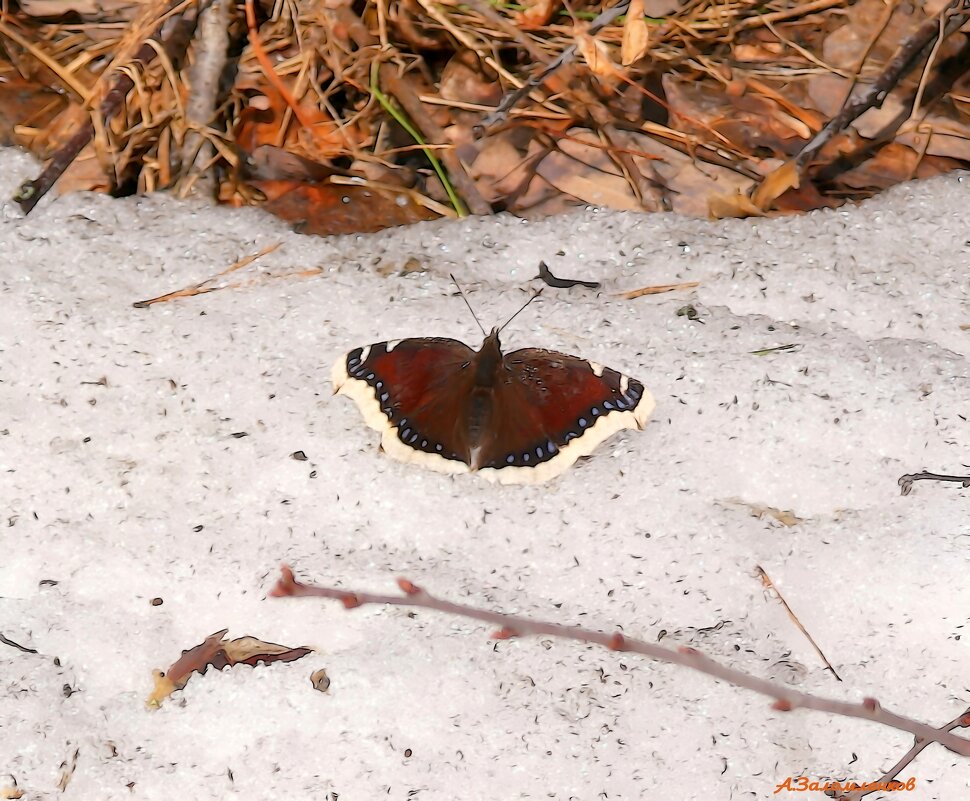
point(212, 46)
point(210, 284)
point(656, 290)
point(786, 699)
point(955, 13)
point(509, 101)
point(800, 10)
point(770, 585)
point(961, 720)
point(906, 482)
point(17, 645)
point(30, 192)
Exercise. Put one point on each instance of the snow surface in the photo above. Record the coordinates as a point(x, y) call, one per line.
point(133, 487)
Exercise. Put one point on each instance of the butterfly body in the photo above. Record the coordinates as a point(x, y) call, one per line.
point(519, 417)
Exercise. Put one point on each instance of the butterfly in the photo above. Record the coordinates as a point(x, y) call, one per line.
point(516, 418)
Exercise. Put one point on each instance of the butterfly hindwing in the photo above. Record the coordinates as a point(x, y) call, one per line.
point(551, 409)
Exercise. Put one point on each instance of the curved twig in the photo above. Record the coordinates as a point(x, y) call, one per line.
point(510, 626)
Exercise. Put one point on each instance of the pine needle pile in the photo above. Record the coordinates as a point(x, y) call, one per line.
point(345, 116)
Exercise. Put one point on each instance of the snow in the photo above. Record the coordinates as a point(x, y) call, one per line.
point(133, 487)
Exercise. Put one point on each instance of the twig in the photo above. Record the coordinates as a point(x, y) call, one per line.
point(535, 81)
point(657, 290)
point(408, 99)
point(906, 482)
point(786, 699)
point(799, 10)
point(961, 721)
point(770, 585)
point(66, 78)
point(209, 285)
point(17, 645)
point(212, 45)
point(270, 71)
point(956, 13)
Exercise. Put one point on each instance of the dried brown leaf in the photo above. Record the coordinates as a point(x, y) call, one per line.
point(217, 652)
point(776, 183)
point(596, 54)
point(587, 173)
point(97, 10)
point(636, 35)
point(27, 107)
point(320, 680)
point(465, 79)
point(328, 208)
point(738, 204)
point(892, 164)
point(758, 53)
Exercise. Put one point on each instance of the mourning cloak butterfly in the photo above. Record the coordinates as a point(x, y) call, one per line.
point(516, 418)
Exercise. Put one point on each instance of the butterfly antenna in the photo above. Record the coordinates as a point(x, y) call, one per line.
point(521, 309)
point(462, 293)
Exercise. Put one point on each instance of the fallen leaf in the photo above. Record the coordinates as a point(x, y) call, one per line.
point(26, 107)
point(325, 209)
point(894, 163)
point(766, 51)
point(738, 204)
point(466, 79)
point(586, 172)
point(636, 35)
point(101, 11)
point(776, 183)
point(596, 54)
point(217, 652)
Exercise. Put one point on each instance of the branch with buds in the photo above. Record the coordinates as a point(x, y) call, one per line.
point(510, 626)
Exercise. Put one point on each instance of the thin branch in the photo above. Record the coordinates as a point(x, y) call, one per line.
point(512, 98)
point(786, 699)
point(30, 192)
point(962, 720)
point(800, 10)
point(17, 645)
point(906, 482)
point(212, 50)
point(955, 13)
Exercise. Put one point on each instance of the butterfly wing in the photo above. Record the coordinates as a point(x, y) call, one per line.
point(412, 391)
point(550, 409)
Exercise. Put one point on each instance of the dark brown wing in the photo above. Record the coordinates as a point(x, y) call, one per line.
point(413, 392)
point(550, 409)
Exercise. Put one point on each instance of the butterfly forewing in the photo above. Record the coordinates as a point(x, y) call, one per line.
point(415, 385)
